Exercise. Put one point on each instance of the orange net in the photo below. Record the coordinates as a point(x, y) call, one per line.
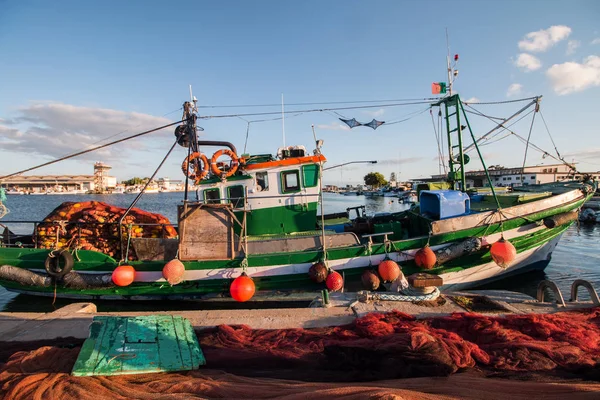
point(397, 351)
point(93, 225)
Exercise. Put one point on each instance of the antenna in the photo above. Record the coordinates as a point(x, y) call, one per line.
point(452, 73)
point(194, 100)
point(282, 120)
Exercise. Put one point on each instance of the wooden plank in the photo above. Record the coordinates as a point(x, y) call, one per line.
point(139, 358)
point(169, 350)
point(186, 355)
point(120, 345)
point(206, 232)
point(141, 330)
point(88, 355)
point(111, 347)
point(193, 345)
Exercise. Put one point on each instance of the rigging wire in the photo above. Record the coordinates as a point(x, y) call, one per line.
point(551, 139)
point(503, 127)
point(312, 110)
point(522, 139)
point(119, 133)
point(409, 116)
point(92, 149)
point(528, 140)
point(437, 139)
point(428, 99)
point(503, 101)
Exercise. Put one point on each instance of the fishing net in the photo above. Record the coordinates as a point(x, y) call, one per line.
point(94, 225)
point(402, 354)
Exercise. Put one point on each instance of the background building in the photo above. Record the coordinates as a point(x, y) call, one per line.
point(531, 175)
point(62, 183)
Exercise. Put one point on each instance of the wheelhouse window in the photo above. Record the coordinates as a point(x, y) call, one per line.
point(310, 173)
point(290, 181)
point(236, 196)
point(212, 196)
point(262, 180)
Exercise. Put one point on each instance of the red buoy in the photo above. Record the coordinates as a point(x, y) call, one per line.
point(425, 258)
point(317, 272)
point(123, 275)
point(242, 288)
point(334, 281)
point(370, 280)
point(173, 271)
point(388, 270)
point(503, 253)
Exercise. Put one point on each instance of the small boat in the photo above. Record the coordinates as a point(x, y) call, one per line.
point(409, 197)
point(256, 217)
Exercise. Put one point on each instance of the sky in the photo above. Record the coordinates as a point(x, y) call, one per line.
point(73, 74)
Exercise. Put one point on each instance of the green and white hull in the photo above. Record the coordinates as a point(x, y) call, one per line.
point(522, 225)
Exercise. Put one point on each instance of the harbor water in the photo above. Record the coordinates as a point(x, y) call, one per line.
point(576, 257)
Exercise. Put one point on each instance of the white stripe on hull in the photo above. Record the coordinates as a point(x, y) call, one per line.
point(453, 280)
point(341, 264)
point(489, 271)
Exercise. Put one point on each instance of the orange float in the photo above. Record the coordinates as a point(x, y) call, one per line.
point(425, 258)
point(123, 275)
point(317, 272)
point(173, 272)
point(370, 280)
point(334, 281)
point(234, 163)
point(242, 288)
point(197, 176)
point(503, 252)
point(388, 270)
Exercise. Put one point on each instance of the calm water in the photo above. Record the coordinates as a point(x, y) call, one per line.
point(577, 255)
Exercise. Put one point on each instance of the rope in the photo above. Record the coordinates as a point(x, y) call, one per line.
point(130, 226)
point(404, 295)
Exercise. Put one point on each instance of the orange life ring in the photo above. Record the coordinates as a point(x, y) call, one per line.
point(234, 163)
point(196, 175)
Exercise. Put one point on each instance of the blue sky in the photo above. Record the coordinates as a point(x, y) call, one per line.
point(72, 73)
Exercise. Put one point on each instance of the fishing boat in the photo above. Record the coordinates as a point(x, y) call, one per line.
point(256, 216)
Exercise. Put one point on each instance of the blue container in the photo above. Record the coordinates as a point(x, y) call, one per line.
point(476, 198)
point(442, 204)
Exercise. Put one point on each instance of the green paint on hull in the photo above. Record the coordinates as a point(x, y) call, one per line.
point(283, 219)
point(280, 282)
point(97, 262)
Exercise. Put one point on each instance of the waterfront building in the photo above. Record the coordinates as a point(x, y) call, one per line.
point(62, 183)
point(530, 175)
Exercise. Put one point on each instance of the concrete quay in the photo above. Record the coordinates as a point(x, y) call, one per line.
point(74, 319)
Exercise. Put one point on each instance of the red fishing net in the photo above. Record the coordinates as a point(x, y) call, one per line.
point(93, 225)
point(243, 362)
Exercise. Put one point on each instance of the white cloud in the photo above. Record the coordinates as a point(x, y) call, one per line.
point(572, 45)
point(528, 62)
point(56, 129)
point(592, 153)
point(334, 126)
point(595, 41)
point(375, 114)
point(572, 77)
point(514, 90)
point(543, 39)
point(471, 100)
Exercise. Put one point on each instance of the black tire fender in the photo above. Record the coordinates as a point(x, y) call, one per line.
point(53, 263)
